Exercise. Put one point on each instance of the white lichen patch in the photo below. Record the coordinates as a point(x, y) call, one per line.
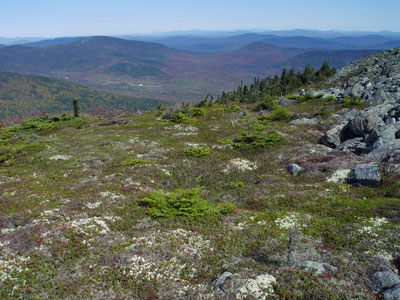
point(6, 231)
point(184, 242)
point(93, 225)
point(165, 170)
point(179, 245)
point(94, 205)
point(111, 196)
point(47, 216)
point(59, 157)
point(373, 226)
point(186, 128)
point(222, 147)
point(138, 185)
point(239, 164)
point(11, 265)
point(260, 287)
point(290, 221)
point(194, 145)
point(339, 176)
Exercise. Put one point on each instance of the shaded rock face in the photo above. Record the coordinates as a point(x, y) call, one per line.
point(373, 132)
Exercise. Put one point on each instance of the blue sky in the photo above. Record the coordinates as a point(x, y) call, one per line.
point(51, 18)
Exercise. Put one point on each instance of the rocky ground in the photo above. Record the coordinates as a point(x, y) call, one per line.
point(218, 202)
point(74, 224)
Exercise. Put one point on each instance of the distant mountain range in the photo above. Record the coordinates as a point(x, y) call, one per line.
point(317, 57)
point(232, 43)
point(23, 96)
point(153, 70)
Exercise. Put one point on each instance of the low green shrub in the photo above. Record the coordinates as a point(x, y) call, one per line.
point(236, 184)
point(354, 102)
point(181, 118)
point(225, 141)
point(257, 140)
point(280, 114)
point(324, 113)
point(231, 108)
point(198, 112)
point(18, 139)
point(182, 203)
point(197, 151)
point(267, 104)
point(135, 162)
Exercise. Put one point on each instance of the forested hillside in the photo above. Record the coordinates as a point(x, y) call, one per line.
point(23, 96)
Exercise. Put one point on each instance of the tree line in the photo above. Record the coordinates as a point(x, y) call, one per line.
point(272, 86)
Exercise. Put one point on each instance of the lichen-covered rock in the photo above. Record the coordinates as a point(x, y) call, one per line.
point(317, 268)
point(340, 176)
point(220, 281)
point(305, 121)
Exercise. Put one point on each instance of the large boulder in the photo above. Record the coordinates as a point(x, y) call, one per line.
point(366, 174)
point(389, 152)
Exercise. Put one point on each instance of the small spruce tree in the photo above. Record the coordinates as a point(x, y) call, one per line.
point(76, 108)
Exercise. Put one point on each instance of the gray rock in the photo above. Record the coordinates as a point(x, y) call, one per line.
point(367, 174)
point(384, 280)
point(389, 152)
point(220, 281)
point(392, 294)
point(363, 123)
point(285, 102)
point(385, 134)
point(294, 169)
point(305, 121)
point(353, 145)
point(332, 136)
point(317, 268)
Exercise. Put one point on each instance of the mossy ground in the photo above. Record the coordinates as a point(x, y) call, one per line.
point(73, 226)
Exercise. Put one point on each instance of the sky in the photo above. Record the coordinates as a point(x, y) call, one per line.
point(52, 18)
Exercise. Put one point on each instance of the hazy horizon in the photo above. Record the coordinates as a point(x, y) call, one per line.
point(45, 18)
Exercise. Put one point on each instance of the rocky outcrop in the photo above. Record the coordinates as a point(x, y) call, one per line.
point(374, 79)
point(373, 132)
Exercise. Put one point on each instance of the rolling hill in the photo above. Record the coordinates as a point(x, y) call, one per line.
point(54, 42)
point(24, 96)
point(145, 69)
